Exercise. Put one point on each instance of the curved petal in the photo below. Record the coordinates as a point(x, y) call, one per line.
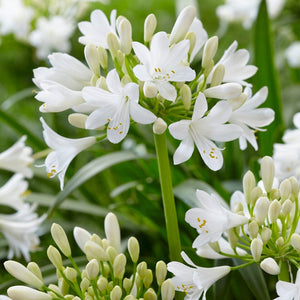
point(140, 114)
point(132, 91)
point(113, 82)
point(141, 72)
point(166, 90)
point(184, 151)
point(200, 107)
point(180, 130)
point(182, 73)
point(225, 91)
point(142, 52)
point(100, 117)
point(98, 97)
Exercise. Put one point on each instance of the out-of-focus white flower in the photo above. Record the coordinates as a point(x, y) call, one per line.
point(211, 219)
point(96, 31)
point(194, 281)
point(20, 230)
point(293, 136)
point(202, 130)
point(162, 64)
point(64, 150)
point(12, 193)
point(27, 293)
point(288, 290)
point(17, 158)
point(292, 54)
point(115, 107)
point(248, 115)
point(15, 18)
point(52, 34)
point(2, 297)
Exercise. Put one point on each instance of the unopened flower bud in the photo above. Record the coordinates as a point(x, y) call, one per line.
point(256, 249)
point(134, 249)
point(182, 24)
point(101, 83)
point(71, 274)
point(274, 211)
point(92, 58)
point(265, 235)
point(127, 284)
point(210, 49)
point(224, 91)
point(148, 278)
point(96, 239)
point(149, 89)
point(102, 55)
point(112, 253)
point(267, 170)
point(63, 286)
point(92, 269)
point(61, 240)
point(186, 96)
point(218, 75)
point(19, 292)
point(233, 239)
point(159, 126)
point(93, 250)
point(255, 194)
point(150, 295)
point(167, 290)
point(270, 266)
point(253, 229)
point(77, 120)
point(119, 57)
point(55, 289)
point(116, 293)
point(129, 297)
point(119, 266)
point(285, 189)
point(215, 246)
point(112, 231)
point(248, 185)
point(295, 186)
point(113, 44)
point(149, 27)
point(35, 269)
point(191, 36)
point(84, 284)
point(141, 269)
point(295, 241)
point(81, 236)
point(261, 209)
point(20, 272)
point(280, 242)
point(102, 284)
point(238, 101)
point(160, 272)
point(125, 33)
point(55, 257)
point(274, 194)
point(286, 207)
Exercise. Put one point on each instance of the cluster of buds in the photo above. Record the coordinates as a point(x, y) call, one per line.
point(105, 276)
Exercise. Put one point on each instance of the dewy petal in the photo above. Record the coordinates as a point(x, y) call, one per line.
point(184, 151)
point(166, 90)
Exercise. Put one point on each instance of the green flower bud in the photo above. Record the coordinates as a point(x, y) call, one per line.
point(295, 186)
point(261, 209)
point(186, 96)
point(267, 172)
point(127, 284)
point(248, 185)
point(71, 274)
point(55, 289)
point(61, 240)
point(23, 292)
point(55, 257)
point(274, 211)
point(129, 297)
point(160, 272)
point(93, 250)
point(218, 75)
point(63, 286)
point(35, 269)
point(119, 266)
point(84, 284)
point(167, 290)
point(266, 234)
point(233, 239)
point(112, 253)
point(253, 229)
point(92, 58)
point(141, 269)
point(149, 27)
point(113, 44)
point(256, 248)
point(96, 239)
point(116, 293)
point(102, 284)
point(134, 249)
point(191, 36)
point(280, 242)
point(102, 55)
point(148, 278)
point(150, 295)
point(286, 207)
point(125, 34)
point(274, 194)
point(255, 194)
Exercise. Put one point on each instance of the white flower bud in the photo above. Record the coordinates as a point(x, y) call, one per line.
point(285, 189)
point(102, 55)
point(101, 83)
point(295, 186)
point(20, 272)
point(102, 284)
point(256, 249)
point(186, 96)
point(125, 33)
point(134, 249)
point(113, 44)
point(238, 102)
point(96, 239)
point(159, 126)
point(224, 91)
point(112, 231)
point(182, 24)
point(120, 58)
point(265, 235)
point(112, 253)
point(61, 240)
point(71, 274)
point(149, 27)
point(280, 242)
point(233, 239)
point(141, 269)
point(295, 241)
point(270, 266)
point(160, 272)
point(286, 207)
point(77, 120)
point(150, 295)
point(274, 211)
point(167, 290)
point(148, 278)
point(55, 289)
point(35, 269)
point(93, 250)
point(119, 266)
point(81, 236)
point(149, 89)
point(267, 172)
point(210, 49)
point(261, 209)
point(255, 194)
point(248, 185)
point(92, 58)
point(116, 293)
point(129, 297)
point(274, 194)
point(84, 284)
point(191, 36)
point(92, 269)
point(20, 292)
point(218, 75)
point(127, 284)
point(253, 229)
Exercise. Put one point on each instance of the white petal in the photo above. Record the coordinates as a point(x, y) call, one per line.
point(180, 130)
point(141, 115)
point(200, 107)
point(223, 133)
point(100, 117)
point(131, 90)
point(166, 90)
point(224, 91)
point(182, 73)
point(141, 72)
point(113, 82)
point(184, 151)
point(142, 52)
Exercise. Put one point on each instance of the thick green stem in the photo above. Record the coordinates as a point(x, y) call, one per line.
point(284, 274)
point(168, 196)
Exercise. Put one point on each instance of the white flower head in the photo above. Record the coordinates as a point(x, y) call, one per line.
point(293, 136)
point(292, 54)
point(64, 150)
point(17, 158)
point(249, 115)
point(96, 31)
point(194, 281)
point(201, 130)
point(162, 64)
point(52, 34)
point(288, 290)
point(212, 219)
point(115, 107)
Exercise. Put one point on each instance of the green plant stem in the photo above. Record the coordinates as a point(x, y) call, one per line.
point(168, 196)
point(284, 271)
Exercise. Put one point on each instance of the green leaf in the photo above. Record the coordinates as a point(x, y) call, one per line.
point(267, 76)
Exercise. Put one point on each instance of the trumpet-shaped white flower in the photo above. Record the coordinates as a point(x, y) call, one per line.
point(211, 219)
point(162, 64)
point(288, 290)
point(201, 130)
point(194, 281)
point(115, 107)
point(249, 115)
point(96, 31)
point(292, 54)
point(235, 63)
point(12, 193)
point(64, 150)
point(17, 158)
point(20, 229)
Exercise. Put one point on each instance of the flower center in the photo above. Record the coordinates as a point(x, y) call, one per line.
point(161, 76)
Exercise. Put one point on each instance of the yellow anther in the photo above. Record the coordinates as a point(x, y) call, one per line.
point(108, 120)
point(120, 132)
point(159, 69)
point(173, 71)
point(109, 128)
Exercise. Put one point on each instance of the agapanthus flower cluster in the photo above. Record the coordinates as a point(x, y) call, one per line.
point(105, 275)
point(261, 226)
point(46, 25)
point(153, 83)
point(21, 227)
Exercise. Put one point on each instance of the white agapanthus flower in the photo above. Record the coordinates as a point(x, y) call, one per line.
point(250, 118)
point(292, 136)
point(288, 290)
point(20, 230)
point(292, 54)
point(211, 220)
point(52, 34)
point(194, 281)
point(17, 158)
point(115, 106)
point(161, 64)
point(15, 18)
point(202, 130)
point(64, 150)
